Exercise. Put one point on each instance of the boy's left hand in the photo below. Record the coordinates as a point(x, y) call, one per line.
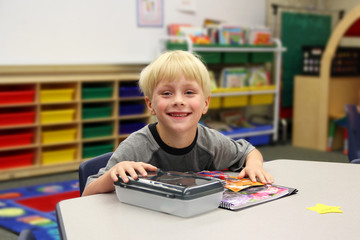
point(256, 173)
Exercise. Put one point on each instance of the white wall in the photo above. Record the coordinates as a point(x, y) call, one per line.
point(100, 31)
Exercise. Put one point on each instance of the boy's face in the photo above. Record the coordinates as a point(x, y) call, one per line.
point(178, 105)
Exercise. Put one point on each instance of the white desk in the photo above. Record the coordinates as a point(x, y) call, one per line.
point(335, 184)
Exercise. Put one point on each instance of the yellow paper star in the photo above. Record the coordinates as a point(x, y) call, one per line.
point(321, 208)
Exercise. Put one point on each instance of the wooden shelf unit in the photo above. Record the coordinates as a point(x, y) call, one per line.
point(42, 124)
point(318, 99)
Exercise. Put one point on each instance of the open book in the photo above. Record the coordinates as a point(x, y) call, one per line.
point(243, 193)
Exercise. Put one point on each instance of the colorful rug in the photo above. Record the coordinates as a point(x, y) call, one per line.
point(33, 207)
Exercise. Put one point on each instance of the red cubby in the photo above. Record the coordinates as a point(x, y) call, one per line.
point(17, 94)
point(15, 159)
point(11, 138)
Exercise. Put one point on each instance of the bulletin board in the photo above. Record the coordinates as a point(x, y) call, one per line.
point(299, 29)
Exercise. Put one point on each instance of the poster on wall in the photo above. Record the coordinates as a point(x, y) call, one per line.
point(150, 13)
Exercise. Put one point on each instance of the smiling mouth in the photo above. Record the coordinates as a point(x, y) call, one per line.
point(179, 114)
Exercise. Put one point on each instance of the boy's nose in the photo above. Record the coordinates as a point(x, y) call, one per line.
point(178, 100)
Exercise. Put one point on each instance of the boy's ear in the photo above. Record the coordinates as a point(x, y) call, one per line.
point(206, 107)
point(149, 105)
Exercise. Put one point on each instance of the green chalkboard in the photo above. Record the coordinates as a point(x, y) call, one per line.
point(298, 30)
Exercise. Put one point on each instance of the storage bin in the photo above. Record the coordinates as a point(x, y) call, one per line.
point(15, 138)
point(215, 102)
point(207, 57)
point(58, 136)
point(97, 130)
point(261, 57)
point(20, 96)
point(130, 91)
point(234, 131)
point(96, 111)
point(94, 92)
point(57, 116)
point(58, 156)
point(262, 99)
point(235, 57)
point(16, 117)
point(210, 57)
point(129, 127)
point(93, 150)
point(56, 95)
point(131, 108)
point(16, 159)
point(261, 139)
point(235, 101)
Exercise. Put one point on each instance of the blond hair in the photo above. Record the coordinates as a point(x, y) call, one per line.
point(171, 66)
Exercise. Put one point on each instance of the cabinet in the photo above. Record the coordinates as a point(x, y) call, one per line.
point(247, 96)
point(51, 122)
point(318, 99)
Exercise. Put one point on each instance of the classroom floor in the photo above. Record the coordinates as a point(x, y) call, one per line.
point(270, 152)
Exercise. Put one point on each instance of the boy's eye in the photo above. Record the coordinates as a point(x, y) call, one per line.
point(166, 93)
point(189, 92)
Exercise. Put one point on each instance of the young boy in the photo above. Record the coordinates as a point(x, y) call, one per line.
point(177, 91)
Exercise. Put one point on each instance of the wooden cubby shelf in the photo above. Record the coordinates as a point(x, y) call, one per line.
point(50, 123)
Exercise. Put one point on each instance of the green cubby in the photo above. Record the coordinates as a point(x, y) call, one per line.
point(96, 91)
point(97, 148)
point(94, 130)
point(90, 111)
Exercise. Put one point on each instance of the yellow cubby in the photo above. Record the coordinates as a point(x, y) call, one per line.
point(57, 116)
point(59, 155)
point(235, 101)
point(58, 136)
point(56, 95)
point(262, 99)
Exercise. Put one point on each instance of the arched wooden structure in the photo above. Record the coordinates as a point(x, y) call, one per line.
point(320, 98)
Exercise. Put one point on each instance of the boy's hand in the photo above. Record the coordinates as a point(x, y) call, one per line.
point(123, 169)
point(256, 171)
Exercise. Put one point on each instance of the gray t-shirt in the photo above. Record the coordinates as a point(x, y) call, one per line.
point(210, 150)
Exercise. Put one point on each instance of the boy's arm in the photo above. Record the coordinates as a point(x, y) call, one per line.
point(254, 168)
point(105, 183)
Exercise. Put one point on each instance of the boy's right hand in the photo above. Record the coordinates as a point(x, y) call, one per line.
point(123, 169)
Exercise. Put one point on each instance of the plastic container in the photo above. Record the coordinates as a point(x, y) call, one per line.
point(58, 136)
point(131, 108)
point(262, 99)
point(235, 57)
point(176, 193)
point(235, 101)
point(57, 116)
point(96, 111)
point(261, 139)
point(15, 138)
point(130, 127)
point(56, 95)
point(16, 117)
point(96, 149)
point(130, 91)
point(97, 130)
point(20, 96)
point(58, 156)
point(261, 57)
point(94, 92)
point(15, 159)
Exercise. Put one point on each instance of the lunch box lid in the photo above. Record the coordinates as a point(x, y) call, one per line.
point(171, 184)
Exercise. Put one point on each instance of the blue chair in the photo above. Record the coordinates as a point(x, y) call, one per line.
point(353, 127)
point(91, 167)
point(26, 234)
